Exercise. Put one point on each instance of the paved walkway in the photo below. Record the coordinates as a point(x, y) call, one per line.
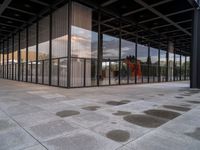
point(164, 116)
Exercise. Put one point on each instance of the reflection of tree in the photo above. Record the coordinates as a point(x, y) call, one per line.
point(43, 56)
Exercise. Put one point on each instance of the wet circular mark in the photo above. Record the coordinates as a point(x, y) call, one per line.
point(162, 113)
point(179, 108)
point(121, 113)
point(91, 108)
point(186, 95)
point(160, 94)
point(194, 102)
point(67, 113)
point(144, 120)
point(116, 103)
point(114, 122)
point(179, 97)
point(118, 135)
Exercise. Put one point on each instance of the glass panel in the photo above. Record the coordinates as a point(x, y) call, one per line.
point(153, 65)
point(127, 73)
point(163, 65)
point(63, 72)
point(32, 53)
point(10, 60)
point(182, 67)
point(59, 42)
point(171, 66)
point(43, 51)
point(110, 52)
point(84, 45)
point(142, 63)
point(177, 67)
point(187, 67)
point(16, 49)
point(23, 55)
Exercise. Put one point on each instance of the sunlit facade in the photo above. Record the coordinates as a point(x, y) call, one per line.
point(72, 48)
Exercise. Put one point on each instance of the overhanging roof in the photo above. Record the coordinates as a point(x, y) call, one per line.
point(155, 20)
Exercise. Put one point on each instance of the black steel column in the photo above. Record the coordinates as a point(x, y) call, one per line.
point(69, 43)
point(99, 47)
point(136, 68)
point(50, 46)
point(180, 66)
point(3, 58)
point(185, 68)
point(13, 50)
point(148, 65)
point(159, 69)
point(37, 29)
point(19, 56)
point(167, 68)
point(7, 57)
point(120, 41)
point(27, 54)
point(174, 63)
point(195, 61)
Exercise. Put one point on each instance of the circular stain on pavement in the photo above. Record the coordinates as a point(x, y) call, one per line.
point(118, 135)
point(116, 103)
point(179, 97)
point(91, 108)
point(144, 120)
point(162, 113)
point(179, 108)
point(121, 113)
point(194, 102)
point(67, 113)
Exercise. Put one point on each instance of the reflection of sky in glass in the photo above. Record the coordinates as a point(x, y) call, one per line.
point(127, 48)
point(154, 55)
point(163, 57)
point(142, 52)
point(84, 42)
point(110, 47)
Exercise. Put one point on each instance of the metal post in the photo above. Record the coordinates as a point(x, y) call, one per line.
point(27, 54)
point(42, 71)
point(120, 41)
point(7, 56)
point(3, 58)
point(13, 50)
point(185, 68)
point(37, 29)
point(175, 72)
point(50, 46)
point(148, 61)
point(31, 72)
point(84, 72)
point(167, 58)
point(180, 67)
point(136, 68)
point(99, 47)
point(109, 71)
point(58, 72)
point(159, 69)
point(69, 43)
point(19, 56)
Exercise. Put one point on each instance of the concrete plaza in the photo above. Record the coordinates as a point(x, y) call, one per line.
point(160, 116)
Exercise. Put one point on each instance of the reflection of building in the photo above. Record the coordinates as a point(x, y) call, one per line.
point(81, 43)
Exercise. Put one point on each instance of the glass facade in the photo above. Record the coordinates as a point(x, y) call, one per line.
point(81, 52)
